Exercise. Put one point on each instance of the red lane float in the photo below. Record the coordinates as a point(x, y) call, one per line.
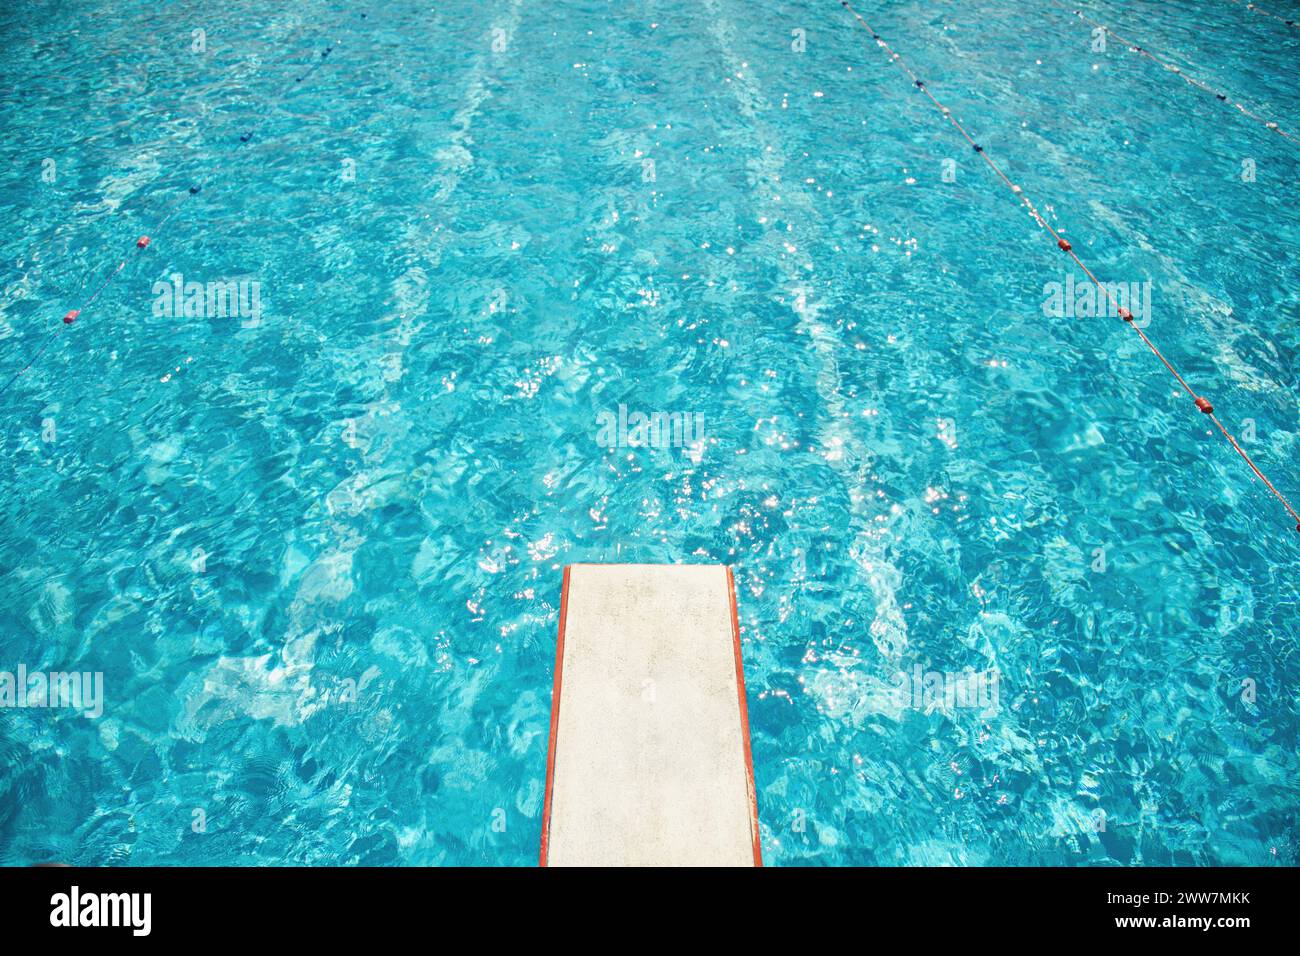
point(143, 242)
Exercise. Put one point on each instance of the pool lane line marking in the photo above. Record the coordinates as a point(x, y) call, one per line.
point(1143, 51)
point(477, 92)
point(1201, 402)
point(1255, 8)
point(344, 533)
point(142, 243)
point(403, 322)
point(840, 449)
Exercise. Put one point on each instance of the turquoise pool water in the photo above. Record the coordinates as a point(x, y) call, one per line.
point(315, 547)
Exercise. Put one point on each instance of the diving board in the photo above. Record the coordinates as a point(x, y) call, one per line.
point(649, 761)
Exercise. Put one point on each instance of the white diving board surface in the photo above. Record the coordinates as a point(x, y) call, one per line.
point(649, 761)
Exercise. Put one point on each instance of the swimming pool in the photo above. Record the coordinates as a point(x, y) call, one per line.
point(313, 540)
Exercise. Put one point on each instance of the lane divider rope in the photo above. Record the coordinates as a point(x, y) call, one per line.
point(1193, 81)
point(1256, 8)
point(1202, 403)
point(143, 242)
